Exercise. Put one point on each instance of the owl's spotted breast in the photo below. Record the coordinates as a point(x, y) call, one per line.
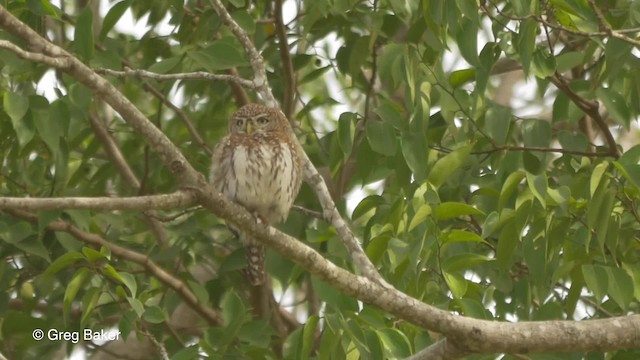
point(263, 178)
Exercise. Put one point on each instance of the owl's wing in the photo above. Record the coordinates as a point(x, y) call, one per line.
point(220, 163)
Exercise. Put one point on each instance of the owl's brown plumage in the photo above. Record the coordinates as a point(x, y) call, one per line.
point(258, 165)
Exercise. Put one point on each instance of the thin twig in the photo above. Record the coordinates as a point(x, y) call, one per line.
point(288, 97)
point(590, 108)
point(182, 116)
point(198, 75)
point(308, 212)
point(257, 64)
point(542, 149)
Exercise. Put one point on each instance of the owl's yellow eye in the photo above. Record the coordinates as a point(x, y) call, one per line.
point(262, 120)
point(239, 122)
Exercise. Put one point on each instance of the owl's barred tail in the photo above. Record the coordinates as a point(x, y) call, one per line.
point(255, 264)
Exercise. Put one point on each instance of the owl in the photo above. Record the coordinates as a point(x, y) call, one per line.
point(258, 166)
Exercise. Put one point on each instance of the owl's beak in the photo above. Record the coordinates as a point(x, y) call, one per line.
point(249, 127)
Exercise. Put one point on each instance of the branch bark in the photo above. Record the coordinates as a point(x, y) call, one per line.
point(135, 203)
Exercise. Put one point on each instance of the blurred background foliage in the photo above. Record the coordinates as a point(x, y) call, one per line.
point(484, 153)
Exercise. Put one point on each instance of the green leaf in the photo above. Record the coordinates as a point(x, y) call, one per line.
point(421, 215)
point(166, 65)
point(234, 314)
point(130, 282)
point(154, 314)
point(448, 210)
point(414, 151)
point(220, 55)
point(596, 176)
point(113, 15)
point(89, 302)
point(620, 287)
point(63, 262)
point(597, 279)
point(93, 255)
point(72, 289)
point(467, 39)
point(360, 50)
point(538, 184)
point(509, 187)
point(561, 196)
point(616, 104)
point(544, 64)
point(308, 335)
point(245, 20)
point(16, 107)
point(346, 131)
point(42, 8)
point(572, 140)
point(507, 242)
point(188, 353)
point(569, 60)
point(461, 77)
point(536, 133)
point(396, 342)
point(199, 291)
point(463, 261)
point(457, 284)
point(527, 42)
point(21, 235)
point(381, 137)
point(456, 235)
point(497, 122)
point(83, 36)
point(136, 305)
point(444, 168)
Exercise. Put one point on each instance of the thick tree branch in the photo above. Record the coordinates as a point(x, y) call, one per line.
point(136, 203)
point(154, 269)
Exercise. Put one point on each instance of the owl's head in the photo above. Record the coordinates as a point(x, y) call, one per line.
point(254, 119)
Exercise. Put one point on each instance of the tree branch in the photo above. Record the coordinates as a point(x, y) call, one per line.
point(136, 203)
point(541, 149)
point(257, 64)
point(590, 108)
point(198, 75)
point(288, 96)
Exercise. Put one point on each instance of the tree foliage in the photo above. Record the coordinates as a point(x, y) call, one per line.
point(493, 144)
